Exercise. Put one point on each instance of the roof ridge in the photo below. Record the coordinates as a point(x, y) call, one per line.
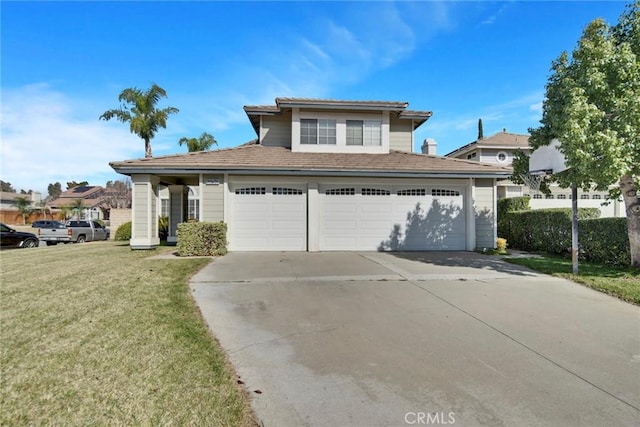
point(437, 157)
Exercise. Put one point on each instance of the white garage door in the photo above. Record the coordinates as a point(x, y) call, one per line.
point(267, 218)
point(392, 218)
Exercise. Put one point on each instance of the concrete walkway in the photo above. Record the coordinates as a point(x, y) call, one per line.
point(413, 338)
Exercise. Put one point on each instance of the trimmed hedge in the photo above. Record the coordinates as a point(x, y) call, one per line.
point(123, 232)
point(202, 239)
point(542, 230)
point(507, 205)
point(604, 240)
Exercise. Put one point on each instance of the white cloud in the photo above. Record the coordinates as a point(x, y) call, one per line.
point(47, 137)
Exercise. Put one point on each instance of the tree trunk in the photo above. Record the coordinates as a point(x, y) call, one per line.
point(632, 205)
point(147, 148)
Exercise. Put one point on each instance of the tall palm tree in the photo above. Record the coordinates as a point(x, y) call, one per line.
point(77, 206)
point(198, 144)
point(24, 207)
point(139, 110)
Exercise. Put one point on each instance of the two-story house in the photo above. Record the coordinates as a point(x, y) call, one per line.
point(322, 175)
point(500, 149)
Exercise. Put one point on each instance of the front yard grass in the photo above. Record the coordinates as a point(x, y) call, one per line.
point(97, 334)
point(620, 282)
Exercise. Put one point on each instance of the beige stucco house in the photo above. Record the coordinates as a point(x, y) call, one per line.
point(322, 175)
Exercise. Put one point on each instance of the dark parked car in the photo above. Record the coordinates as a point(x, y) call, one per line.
point(47, 223)
point(10, 238)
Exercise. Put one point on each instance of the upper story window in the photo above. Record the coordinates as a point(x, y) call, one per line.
point(471, 156)
point(364, 132)
point(502, 157)
point(318, 131)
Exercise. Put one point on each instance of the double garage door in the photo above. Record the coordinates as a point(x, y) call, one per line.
point(348, 217)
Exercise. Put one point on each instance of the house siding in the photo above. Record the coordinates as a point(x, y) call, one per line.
point(485, 213)
point(490, 155)
point(140, 212)
point(400, 135)
point(212, 198)
point(276, 130)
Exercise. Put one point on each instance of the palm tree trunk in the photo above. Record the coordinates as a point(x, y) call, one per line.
point(147, 148)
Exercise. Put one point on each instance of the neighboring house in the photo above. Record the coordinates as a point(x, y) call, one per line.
point(500, 148)
point(9, 212)
point(7, 199)
point(93, 198)
point(323, 175)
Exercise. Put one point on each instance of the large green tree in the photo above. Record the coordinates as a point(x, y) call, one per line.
point(138, 108)
point(6, 186)
point(204, 142)
point(592, 106)
point(54, 190)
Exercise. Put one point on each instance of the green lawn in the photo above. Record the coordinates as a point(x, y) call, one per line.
point(97, 334)
point(623, 283)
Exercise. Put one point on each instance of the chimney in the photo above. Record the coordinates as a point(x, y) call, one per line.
point(429, 146)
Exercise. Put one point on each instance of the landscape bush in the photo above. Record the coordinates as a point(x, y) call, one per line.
point(542, 230)
point(604, 240)
point(202, 239)
point(123, 232)
point(510, 204)
point(163, 227)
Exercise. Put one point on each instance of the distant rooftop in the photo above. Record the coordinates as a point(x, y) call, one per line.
point(498, 140)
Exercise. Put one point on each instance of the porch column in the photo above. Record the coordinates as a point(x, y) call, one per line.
point(178, 205)
point(471, 210)
point(144, 207)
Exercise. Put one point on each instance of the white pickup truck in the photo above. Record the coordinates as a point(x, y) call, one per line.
point(74, 231)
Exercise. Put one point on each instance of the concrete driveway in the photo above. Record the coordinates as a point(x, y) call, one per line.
point(383, 339)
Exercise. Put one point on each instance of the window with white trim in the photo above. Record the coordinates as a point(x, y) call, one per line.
point(548, 196)
point(194, 209)
point(364, 132)
point(283, 191)
point(562, 196)
point(441, 192)
point(412, 192)
point(251, 190)
point(317, 131)
point(164, 207)
point(501, 157)
point(537, 196)
point(584, 196)
point(471, 156)
point(375, 192)
point(340, 192)
point(596, 197)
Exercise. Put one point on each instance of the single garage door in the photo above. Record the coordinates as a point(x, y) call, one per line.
point(267, 218)
point(392, 218)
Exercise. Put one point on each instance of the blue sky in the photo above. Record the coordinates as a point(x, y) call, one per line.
point(64, 64)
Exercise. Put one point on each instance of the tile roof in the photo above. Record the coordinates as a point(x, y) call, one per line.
point(399, 107)
point(255, 157)
point(499, 140)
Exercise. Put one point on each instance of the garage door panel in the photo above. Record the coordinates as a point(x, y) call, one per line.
point(270, 221)
point(409, 218)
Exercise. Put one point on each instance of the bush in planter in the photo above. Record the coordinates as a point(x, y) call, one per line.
point(163, 227)
point(123, 232)
point(202, 239)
